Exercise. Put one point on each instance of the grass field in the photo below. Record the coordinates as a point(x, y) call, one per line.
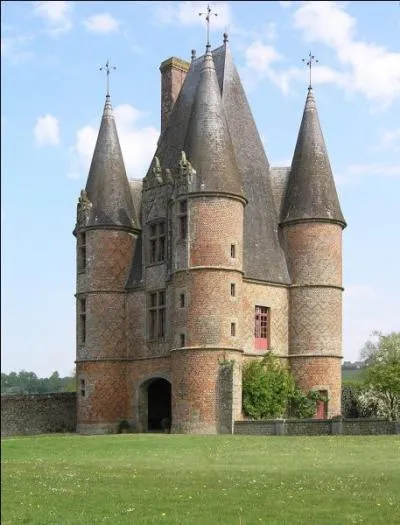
point(163, 479)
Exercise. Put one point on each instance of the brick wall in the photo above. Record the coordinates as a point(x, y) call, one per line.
point(199, 401)
point(105, 401)
point(38, 413)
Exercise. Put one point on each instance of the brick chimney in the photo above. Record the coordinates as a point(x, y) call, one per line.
point(173, 74)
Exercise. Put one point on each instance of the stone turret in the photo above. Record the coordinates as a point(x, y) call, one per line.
point(207, 329)
point(312, 223)
point(106, 233)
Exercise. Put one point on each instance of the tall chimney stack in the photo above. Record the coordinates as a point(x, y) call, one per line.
point(173, 74)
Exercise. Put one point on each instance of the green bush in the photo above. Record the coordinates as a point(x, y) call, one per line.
point(123, 427)
point(267, 388)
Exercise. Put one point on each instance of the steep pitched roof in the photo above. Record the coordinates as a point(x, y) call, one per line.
point(107, 186)
point(311, 192)
point(263, 257)
point(207, 144)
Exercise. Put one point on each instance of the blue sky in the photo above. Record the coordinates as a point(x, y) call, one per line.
point(51, 104)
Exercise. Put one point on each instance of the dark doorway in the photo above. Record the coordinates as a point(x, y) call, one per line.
point(159, 406)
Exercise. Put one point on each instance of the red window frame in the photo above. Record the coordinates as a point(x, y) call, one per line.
point(261, 327)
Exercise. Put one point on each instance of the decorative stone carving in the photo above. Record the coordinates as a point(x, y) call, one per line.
point(83, 209)
point(184, 177)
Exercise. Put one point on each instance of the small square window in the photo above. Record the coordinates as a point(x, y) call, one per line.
point(233, 329)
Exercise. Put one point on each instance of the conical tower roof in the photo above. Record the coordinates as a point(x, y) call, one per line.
point(311, 192)
point(107, 186)
point(208, 145)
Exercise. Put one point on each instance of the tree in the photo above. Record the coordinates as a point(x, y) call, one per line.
point(382, 375)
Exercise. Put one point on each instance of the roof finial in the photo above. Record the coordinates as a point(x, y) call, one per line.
point(107, 68)
point(193, 54)
point(309, 63)
point(225, 38)
point(207, 15)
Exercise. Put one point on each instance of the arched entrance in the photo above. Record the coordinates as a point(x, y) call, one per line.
point(155, 405)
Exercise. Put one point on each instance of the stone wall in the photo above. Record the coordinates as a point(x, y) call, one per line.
point(316, 427)
point(38, 413)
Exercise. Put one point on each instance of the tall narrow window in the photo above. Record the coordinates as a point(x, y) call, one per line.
point(83, 388)
point(182, 217)
point(182, 300)
point(81, 252)
point(233, 329)
point(261, 327)
point(233, 289)
point(157, 315)
point(233, 251)
point(157, 242)
point(82, 319)
point(182, 340)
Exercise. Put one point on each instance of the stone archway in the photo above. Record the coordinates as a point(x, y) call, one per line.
point(155, 405)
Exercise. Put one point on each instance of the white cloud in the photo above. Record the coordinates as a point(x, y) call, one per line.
point(355, 172)
point(187, 14)
point(16, 48)
point(47, 131)
point(390, 140)
point(138, 144)
point(101, 23)
point(57, 15)
point(370, 69)
point(259, 57)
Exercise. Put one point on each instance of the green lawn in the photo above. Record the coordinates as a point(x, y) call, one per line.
point(162, 479)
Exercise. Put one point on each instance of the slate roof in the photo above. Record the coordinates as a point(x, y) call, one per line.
point(263, 256)
point(311, 191)
point(107, 186)
point(207, 144)
point(279, 177)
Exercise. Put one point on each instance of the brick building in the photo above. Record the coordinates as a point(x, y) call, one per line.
point(212, 259)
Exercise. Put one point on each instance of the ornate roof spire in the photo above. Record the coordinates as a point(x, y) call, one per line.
point(225, 38)
point(311, 192)
point(107, 186)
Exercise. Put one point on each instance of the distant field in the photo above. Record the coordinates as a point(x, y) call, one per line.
point(174, 479)
point(352, 375)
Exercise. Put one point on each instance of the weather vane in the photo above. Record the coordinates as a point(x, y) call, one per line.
point(207, 15)
point(309, 63)
point(107, 68)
